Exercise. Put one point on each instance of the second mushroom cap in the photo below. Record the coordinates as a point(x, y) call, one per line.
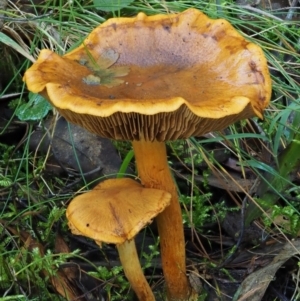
point(115, 210)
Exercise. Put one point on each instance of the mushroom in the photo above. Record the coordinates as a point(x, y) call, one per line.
point(114, 212)
point(187, 75)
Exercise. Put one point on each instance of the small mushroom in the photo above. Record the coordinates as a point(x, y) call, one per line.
point(177, 76)
point(114, 212)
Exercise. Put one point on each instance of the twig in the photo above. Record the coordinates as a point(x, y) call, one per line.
point(291, 11)
point(10, 95)
point(261, 12)
point(24, 20)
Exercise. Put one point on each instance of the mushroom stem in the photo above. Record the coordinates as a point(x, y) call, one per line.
point(133, 271)
point(154, 172)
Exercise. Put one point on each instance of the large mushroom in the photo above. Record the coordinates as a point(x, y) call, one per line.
point(114, 212)
point(188, 75)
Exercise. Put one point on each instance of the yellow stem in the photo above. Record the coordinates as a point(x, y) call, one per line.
point(133, 271)
point(154, 172)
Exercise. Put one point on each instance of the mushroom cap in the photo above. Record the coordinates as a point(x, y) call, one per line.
point(115, 210)
point(160, 77)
